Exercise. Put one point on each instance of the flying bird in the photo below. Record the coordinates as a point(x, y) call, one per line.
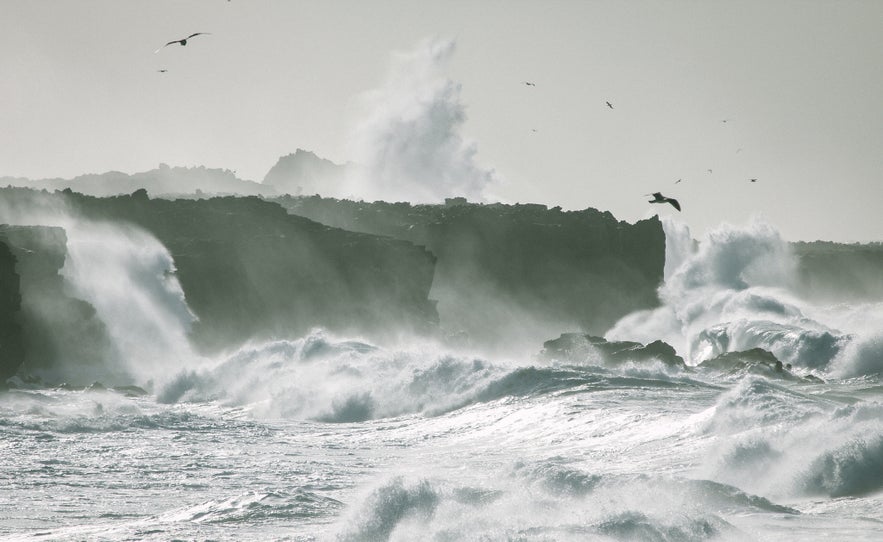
point(659, 198)
point(182, 41)
point(162, 71)
point(610, 105)
point(679, 180)
point(752, 180)
point(528, 83)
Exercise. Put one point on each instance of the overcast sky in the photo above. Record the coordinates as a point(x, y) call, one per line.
point(799, 84)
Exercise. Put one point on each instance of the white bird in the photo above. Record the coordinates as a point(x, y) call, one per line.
point(659, 198)
point(182, 41)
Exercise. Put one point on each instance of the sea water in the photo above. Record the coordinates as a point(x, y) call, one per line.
point(337, 438)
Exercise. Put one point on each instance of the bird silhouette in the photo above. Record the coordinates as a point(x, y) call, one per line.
point(679, 180)
point(162, 71)
point(528, 83)
point(752, 180)
point(182, 41)
point(659, 198)
point(610, 105)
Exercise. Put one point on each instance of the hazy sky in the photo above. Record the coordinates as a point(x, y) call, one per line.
point(800, 84)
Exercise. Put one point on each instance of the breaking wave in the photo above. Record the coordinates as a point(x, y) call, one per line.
point(735, 291)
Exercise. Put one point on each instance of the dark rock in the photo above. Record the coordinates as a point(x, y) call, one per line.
point(11, 342)
point(754, 361)
point(42, 322)
point(575, 346)
point(130, 391)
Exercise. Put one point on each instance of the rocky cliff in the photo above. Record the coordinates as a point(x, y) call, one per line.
point(250, 270)
point(40, 321)
point(10, 307)
point(838, 272)
point(509, 271)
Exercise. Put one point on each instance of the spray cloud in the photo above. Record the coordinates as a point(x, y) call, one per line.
point(407, 145)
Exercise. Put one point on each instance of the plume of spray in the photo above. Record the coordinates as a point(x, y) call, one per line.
point(407, 145)
point(129, 278)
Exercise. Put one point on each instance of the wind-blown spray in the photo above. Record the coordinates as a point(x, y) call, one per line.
point(408, 146)
point(128, 276)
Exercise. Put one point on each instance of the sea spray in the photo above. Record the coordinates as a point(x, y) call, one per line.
point(787, 444)
point(128, 277)
point(407, 145)
point(320, 377)
point(731, 293)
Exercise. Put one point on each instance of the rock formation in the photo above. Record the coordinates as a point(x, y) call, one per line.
point(579, 347)
point(509, 271)
point(42, 322)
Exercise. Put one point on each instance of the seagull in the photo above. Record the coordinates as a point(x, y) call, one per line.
point(182, 41)
point(659, 198)
point(752, 180)
point(610, 105)
point(528, 83)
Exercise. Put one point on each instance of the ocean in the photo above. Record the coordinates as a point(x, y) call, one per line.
point(330, 437)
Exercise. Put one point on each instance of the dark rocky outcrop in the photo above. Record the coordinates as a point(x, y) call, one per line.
point(579, 347)
point(11, 350)
point(754, 361)
point(42, 322)
point(507, 270)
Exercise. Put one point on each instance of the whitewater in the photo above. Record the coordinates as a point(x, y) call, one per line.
point(328, 437)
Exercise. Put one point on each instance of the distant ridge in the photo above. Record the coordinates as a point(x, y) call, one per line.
point(304, 173)
point(163, 181)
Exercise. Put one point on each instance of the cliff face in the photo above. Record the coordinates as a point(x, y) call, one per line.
point(507, 270)
point(43, 323)
point(249, 270)
point(10, 305)
point(836, 272)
